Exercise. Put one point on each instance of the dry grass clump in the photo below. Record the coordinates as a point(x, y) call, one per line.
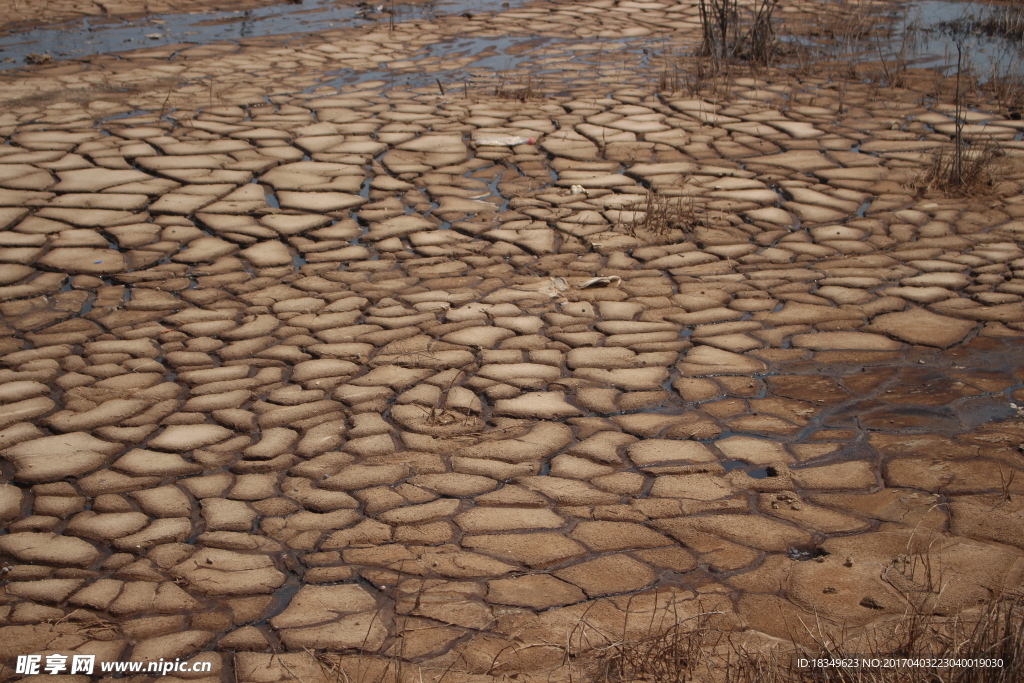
point(963, 170)
point(522, 89)
point(994, 633)
point(674, 655)
point(1007, 89)
point(661, 216)
point(967, 167)
point(847, 23)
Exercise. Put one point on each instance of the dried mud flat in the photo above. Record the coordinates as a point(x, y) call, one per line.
point(293, 371)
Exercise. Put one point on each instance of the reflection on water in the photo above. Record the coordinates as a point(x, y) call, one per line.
point(938, 29)
point(924, 34)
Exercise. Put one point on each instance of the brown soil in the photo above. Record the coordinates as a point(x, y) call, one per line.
point(311, 382)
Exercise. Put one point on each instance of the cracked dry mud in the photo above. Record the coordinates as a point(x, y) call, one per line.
point(291, 369)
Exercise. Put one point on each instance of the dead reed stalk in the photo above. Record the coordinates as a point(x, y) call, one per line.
point(967, 167)
point(734, 32)
point(984, 645)
point(660, 216)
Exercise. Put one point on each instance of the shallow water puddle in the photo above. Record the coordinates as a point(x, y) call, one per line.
point(435, 63)
point(102, 35)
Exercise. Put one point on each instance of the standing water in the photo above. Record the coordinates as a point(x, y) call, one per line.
point(99, 35)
